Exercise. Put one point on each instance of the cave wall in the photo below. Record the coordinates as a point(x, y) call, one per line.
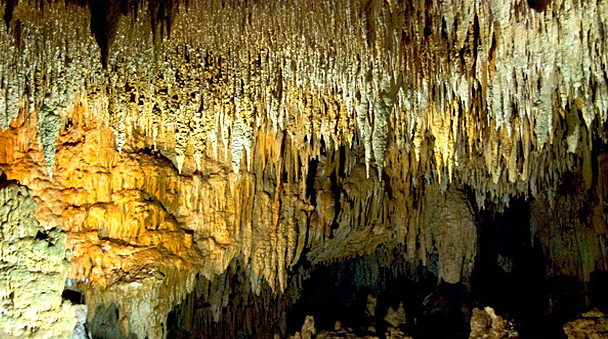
point(167, 138)
point(33, 270)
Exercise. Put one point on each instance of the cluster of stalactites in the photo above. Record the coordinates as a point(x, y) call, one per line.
point(49, 59)
point(381, 73)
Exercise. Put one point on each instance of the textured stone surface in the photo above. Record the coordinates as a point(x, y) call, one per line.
point(123, 239)
point(592, 324)
point(486, 324)
point(396, 317)
point(451, 234)
point(392, 332)
point(308, 329)
point(33, 268)
point(406, 68)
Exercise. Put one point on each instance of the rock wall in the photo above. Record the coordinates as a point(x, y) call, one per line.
point(33, 268)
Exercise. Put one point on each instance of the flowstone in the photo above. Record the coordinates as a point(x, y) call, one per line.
point(33, 269)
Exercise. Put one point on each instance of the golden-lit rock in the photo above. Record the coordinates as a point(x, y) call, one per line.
point(591, 324)
point(308, 329)
point(396, 317)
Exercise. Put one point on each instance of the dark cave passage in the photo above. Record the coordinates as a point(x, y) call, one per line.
point(510, 275)
point(510, 272)
point(341, 292)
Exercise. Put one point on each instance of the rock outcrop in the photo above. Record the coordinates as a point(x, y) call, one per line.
point(486, 324)
point(591, 324)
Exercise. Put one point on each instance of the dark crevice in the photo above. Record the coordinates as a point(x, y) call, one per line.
point(311, 193)
point(342, 161)
point(539, 5)
point(104, 20)
point(41, 236)
point(336, 192)
point(74, 296)
point(388, 188)
point(8, 11)
point(3, 181)
point(476, 42)
point(68, 124)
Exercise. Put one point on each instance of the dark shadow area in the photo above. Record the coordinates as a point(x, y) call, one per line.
point(510, 273)
point(339, 292)
point(105, 323)
point(538, 5)
point(311, 193)
point(227, 307)
point(8, 11)
point(104, 18)
point(41, 236)
point(450, 305)
point(76, 297)
point(3, 181)
point(597, 290)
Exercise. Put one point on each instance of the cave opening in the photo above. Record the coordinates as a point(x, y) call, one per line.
point(345, 295)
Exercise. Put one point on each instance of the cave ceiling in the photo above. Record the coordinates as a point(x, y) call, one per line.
point(167, 138)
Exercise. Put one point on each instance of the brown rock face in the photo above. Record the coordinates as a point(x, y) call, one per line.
point(176, 143)
point(124, 241)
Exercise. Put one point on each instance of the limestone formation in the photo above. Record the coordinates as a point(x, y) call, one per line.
point(396, 317)
point(452, 233)
point(308, 329)
point(504, 65)
point(172, 139)
point(591, 324)
point(486, 324)
point(33, 268)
